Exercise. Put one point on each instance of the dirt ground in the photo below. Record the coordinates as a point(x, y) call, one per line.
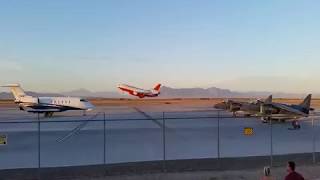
point(200, 102)
point(178, 101)
point(309, 173)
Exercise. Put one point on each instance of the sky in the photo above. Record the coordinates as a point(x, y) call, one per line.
point(247, 45)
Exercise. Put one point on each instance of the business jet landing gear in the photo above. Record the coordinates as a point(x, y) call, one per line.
point(84, 113)
point(234, 114)
point(48, 114)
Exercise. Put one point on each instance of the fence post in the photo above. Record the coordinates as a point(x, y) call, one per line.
point(271, 142)
point(218, 140)
point(104, 138)
point(164, 142)
point(39, 149)
point(313, 142)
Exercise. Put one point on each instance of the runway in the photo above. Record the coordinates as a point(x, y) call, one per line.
point(135, 133)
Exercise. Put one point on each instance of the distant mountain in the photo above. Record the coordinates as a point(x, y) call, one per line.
point(4, 95)
point(78, 92)
point(30, 93)
point(8, 95)
point(168, 92)
point(87, 93)
point(214, 92)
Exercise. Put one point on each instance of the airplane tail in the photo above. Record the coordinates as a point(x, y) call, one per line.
point(157, 87)
point(306, 103)
point(16, 90)
point(268, 100)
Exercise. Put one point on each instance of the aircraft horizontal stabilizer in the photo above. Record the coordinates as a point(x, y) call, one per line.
point(11, 85)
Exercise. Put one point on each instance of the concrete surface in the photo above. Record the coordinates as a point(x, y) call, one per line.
point(139, 136)
point(223, 168)
point(309, 172)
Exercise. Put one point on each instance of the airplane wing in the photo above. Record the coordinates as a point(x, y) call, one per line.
point(141, 91)
point(43, 110)
point(288, 109)
point(132, 89)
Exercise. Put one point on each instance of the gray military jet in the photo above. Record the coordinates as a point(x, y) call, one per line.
point(283, 112)
point(248, 108)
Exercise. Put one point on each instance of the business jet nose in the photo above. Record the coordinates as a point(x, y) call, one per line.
point(89, 106)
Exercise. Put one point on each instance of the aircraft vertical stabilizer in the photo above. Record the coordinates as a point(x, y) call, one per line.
point(306, 103)
point(268, 100)
point(157, 87)
point(16, 90)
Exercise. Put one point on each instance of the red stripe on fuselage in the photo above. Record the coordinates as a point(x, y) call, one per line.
point(128, 91)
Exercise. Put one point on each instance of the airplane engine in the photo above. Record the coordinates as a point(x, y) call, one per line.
point(29, 99)
point(154, 92)
point(234, 107)
point(266, 109)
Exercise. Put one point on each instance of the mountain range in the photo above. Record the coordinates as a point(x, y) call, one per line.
point(168, 92)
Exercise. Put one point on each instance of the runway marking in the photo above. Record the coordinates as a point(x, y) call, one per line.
point(148, 117)
point(76, 129)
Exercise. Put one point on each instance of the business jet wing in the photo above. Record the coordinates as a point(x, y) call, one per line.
point(288, 109)
point(43, 110)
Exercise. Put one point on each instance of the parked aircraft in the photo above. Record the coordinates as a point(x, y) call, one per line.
point(47, 105)
point(141, 93)
point(248, 108)
point(282, 112)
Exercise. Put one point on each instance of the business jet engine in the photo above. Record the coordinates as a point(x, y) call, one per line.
point(27, 100)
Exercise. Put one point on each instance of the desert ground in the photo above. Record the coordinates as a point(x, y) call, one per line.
point(194, 102)
point(203, 102)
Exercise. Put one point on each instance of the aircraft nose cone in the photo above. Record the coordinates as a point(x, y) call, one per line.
point(89, 106)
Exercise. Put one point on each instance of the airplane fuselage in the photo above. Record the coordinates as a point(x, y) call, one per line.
point(141, 93)
point(54, 104)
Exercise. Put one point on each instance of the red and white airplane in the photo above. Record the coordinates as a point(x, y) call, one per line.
point(141, 93)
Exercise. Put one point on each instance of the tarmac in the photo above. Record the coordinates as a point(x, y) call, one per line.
point(120, 134)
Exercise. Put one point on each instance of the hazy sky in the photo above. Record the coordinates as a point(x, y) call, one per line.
point(61, 45)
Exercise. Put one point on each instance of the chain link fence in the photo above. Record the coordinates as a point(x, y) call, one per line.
point(160, 137)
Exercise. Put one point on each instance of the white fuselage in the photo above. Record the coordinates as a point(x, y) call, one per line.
point(47, 105)
point(138, 91)
point(53, 104)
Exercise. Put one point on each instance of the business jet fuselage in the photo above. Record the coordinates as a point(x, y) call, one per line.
point(47, 105)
